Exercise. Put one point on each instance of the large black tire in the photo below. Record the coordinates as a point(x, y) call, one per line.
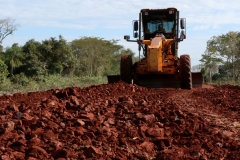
point(126, 68)
point(185, 72)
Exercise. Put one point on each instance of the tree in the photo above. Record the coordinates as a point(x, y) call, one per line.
point(93, 55)
point(115, 60)
point(13, 57)
point(223, 50)
point(211, 58)
point(97, 57)
point(197, 68)
point(7, 27)
point(3, 71)
point(228, 46)
point(58, 56)
point(34, 62)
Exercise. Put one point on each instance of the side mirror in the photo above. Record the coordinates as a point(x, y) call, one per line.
point(126, 37)
point(135, 25)
point(183, 23)
point(183, 35)
point(135, 34)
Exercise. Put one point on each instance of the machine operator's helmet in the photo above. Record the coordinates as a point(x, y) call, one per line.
point(160, 25)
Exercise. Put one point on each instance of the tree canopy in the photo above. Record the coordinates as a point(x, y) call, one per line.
point(83, 57)
point(221, 59)
point(7, 27)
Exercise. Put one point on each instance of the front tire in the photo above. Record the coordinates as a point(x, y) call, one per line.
point(126, 68)
point(185, 72)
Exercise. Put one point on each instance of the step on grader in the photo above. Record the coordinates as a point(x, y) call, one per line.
point(159, 64)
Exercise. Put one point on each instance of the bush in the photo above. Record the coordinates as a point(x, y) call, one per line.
point(20, 79)
point(20, 83)
point(3, 71)
point(6, 87)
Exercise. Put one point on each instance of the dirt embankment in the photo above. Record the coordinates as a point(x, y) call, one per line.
point(121, 121)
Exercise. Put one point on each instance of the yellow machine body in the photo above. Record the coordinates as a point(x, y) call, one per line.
point(157, 62)
point(160, 65)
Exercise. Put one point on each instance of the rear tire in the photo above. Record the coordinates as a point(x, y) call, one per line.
point(185, 72)
point(126, 68)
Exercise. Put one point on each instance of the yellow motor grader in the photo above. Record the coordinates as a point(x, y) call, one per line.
point(160, 65)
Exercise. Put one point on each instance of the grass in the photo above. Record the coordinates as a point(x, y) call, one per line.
point(225, 82)
point(25, 85)
point(50, 82)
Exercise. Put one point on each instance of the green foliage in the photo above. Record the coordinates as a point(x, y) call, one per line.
point(48, 82)
point(56, 63)
point(3, 72)
point(58, 81)
point(13, 57)
point(211, 58)
point(87, 56)
point(114, 68)
point(34, 63)
point(97, 57)
point(222, 57)
point(1, 48)
point(91, 55)
point(58, 56)
point(217, 77)
point(20, 79)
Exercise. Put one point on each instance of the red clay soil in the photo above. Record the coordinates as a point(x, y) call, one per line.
point(121, 121)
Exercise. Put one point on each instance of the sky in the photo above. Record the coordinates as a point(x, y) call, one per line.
point(111, 19)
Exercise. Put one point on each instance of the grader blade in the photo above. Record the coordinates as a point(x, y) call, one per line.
point(157, 81)
point(197, 79)
point(160, 80)
point(113, 78)
point(166, 80)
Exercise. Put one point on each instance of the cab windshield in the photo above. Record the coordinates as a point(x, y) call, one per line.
point(151, 19)
point(152, 26)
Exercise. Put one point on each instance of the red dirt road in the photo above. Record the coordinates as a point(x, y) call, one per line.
point(121, 121)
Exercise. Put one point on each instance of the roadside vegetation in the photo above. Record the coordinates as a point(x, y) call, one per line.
point(220, 64)
point(56, 63)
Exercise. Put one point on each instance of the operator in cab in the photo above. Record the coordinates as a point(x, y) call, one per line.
point(161, 29)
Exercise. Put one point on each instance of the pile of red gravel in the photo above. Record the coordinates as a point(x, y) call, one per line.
point(113, 121)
